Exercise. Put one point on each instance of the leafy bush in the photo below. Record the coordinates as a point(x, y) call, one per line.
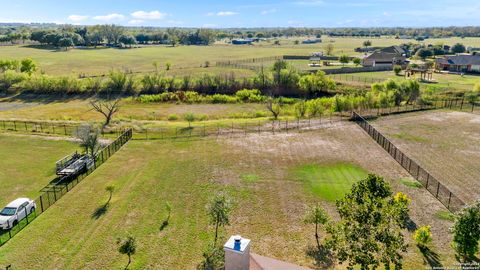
point(423, 236)
point(12, 65)
point(286, 100)
point(253, 95)
point(466, 231)
point(172, 117)
point(10, 78)
point(219, 98)
point(300, 109)
point(397, 69)
point(28, 66)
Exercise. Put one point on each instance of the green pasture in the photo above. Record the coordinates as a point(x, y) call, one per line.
point(330, 182)
point(28, 164)
point(187, 60)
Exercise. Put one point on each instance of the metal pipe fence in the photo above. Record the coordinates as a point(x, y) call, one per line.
point(60, 186)
point(223, 129)
point(429, 182)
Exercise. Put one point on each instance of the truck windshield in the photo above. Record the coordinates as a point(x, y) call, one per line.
point(8, 211)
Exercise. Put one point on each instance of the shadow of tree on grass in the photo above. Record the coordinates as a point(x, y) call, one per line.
point(430, 257)
point(322, 255)
point(164, 225)
point(100, 211)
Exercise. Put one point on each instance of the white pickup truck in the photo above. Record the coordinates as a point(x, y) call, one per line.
point(15, 211)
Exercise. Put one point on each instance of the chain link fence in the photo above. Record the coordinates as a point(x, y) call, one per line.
point(437, 189)
point(62, 185)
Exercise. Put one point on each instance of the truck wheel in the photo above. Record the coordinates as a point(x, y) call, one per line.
point(32, 210)
point(14, 224)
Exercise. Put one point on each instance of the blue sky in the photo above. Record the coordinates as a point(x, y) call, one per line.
point(247, 13)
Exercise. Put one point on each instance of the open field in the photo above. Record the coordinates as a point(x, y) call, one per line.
point(28, 164)
point(80, 110)
point(445, 143)
point(188, 59)
point(257, 171)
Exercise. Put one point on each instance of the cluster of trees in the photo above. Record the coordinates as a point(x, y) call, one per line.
point(175, 36)
point(394, 93)
point(433, 32)
point(281, 77)
point(424, 52)
point(113, 35)
point(85, 36)
point(26, 65)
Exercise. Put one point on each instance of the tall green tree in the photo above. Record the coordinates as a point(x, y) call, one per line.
point(316, 216)
point(367, 43)
point(344, 59)
point(458, 48)
point(369, 233)
point(219, 210)
point(28, 66)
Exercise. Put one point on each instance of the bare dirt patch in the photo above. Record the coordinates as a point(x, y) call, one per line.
point(278, 192)
point(12, 106)
point(449, 148)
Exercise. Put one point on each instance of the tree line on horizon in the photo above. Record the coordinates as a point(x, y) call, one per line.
point(15, 33)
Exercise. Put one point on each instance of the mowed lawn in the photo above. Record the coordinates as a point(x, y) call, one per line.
point(330, 182)
point(27, 164)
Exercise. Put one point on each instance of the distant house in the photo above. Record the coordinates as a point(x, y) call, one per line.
point(242, 41)
point(394, 55)
point(459, 63)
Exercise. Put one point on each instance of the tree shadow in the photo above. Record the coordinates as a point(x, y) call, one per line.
point(468, 260)
point(430, 257)
point(322, 255)
point(100, 211)
point(164, 225)
point(411, 225)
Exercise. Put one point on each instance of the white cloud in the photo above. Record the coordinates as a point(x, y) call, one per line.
point(77, 18)
point(135, 21)
point(265, 12)
point(152, 15)
point(109, 17)
point(222, 13)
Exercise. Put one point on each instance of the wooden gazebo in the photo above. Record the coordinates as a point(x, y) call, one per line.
point(425, 74)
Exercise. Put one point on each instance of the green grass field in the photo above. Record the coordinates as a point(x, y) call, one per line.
point(330, 182)
point(28, 164)
point(188, 59)
point(258, 173)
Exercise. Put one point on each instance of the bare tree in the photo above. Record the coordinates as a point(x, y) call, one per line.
point(273, 107)
point(88, 136)
point(106, 108)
